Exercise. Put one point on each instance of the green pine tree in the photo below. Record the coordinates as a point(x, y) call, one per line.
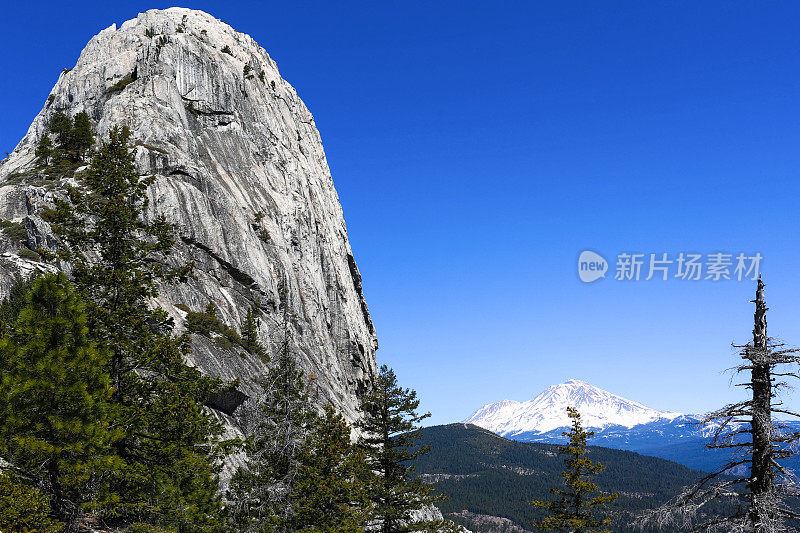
point(249, 335)
point(13, 304)
point(81, 136)
point(263, 488)
point(574, 509)
point(55, 407)
point(390, 425)
point(44, 150)
point(330, 489)
point(60, 125)
point(118, 259)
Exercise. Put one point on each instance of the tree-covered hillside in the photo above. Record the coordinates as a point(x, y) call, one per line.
point(487, 474)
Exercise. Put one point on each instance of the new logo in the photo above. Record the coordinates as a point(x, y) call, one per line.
point(591, 266)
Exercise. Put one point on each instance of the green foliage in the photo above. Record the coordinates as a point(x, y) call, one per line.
point(169, 466)
point(227, 50)
point(120, 85)
point(207, 323)
point(263, 489)
point(54, 396)
point(261, 76)
point(391, 430)
point(82, 136)
point(29, 255)
point(44, 149)
point(23, 508)
point(47, 214)
point(574, 507)
point(330, 488)
point(14, 230)
point(11, 306)
point(61, 126)
point(51, 98)
point(488, 474)
point(249, 337)
point(73, 139)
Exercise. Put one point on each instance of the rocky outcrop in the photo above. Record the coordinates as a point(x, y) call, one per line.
point(243, 176)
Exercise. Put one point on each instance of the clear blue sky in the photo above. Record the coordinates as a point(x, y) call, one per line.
point(478, 147)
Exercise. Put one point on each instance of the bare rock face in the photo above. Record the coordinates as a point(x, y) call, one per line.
point(243, 176)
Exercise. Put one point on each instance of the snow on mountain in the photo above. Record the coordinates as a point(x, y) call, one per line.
point(548, 411)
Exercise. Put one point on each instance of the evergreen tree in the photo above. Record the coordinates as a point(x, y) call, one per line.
point(262, 490)
point(118, 258)
point(390, 426)
point(11, 306)
point(54, 397)
point(61, 126)
point(249, 335)
point(574, 508)
point(329, 491)
point(44, 150)
point(81, 136)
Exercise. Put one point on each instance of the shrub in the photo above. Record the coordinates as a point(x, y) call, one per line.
point(30, 255)
point(120, 85)
point(207, 322)
point(14, 230)
point(227, 50)
point(140, 527)
point(261, 76)
point(24, 508)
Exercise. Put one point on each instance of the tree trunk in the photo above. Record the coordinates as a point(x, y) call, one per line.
point(761, 473)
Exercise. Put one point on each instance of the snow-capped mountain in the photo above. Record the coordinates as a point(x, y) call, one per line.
point(548, 411)
point(617, 423)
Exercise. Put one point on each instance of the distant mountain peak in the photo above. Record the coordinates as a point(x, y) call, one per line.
point(548, 411)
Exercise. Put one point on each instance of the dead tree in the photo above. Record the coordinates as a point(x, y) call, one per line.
point(751, 489)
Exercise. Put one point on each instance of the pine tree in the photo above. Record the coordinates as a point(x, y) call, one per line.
point(249, 335)
point(11, 306)
point(263, 488)
point(55, 407)
point(44, 150)
point(574, 508)
point(756, 501)
point(390, 427)
point(118, 258)
point(61, 125)
point(81, 136)
point(329, 491)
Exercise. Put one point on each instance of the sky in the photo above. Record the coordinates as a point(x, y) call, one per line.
point(479, 147)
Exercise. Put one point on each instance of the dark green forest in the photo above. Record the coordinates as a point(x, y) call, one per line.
point(488, 474)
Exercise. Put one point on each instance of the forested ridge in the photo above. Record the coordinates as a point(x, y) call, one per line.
point(488, 474)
